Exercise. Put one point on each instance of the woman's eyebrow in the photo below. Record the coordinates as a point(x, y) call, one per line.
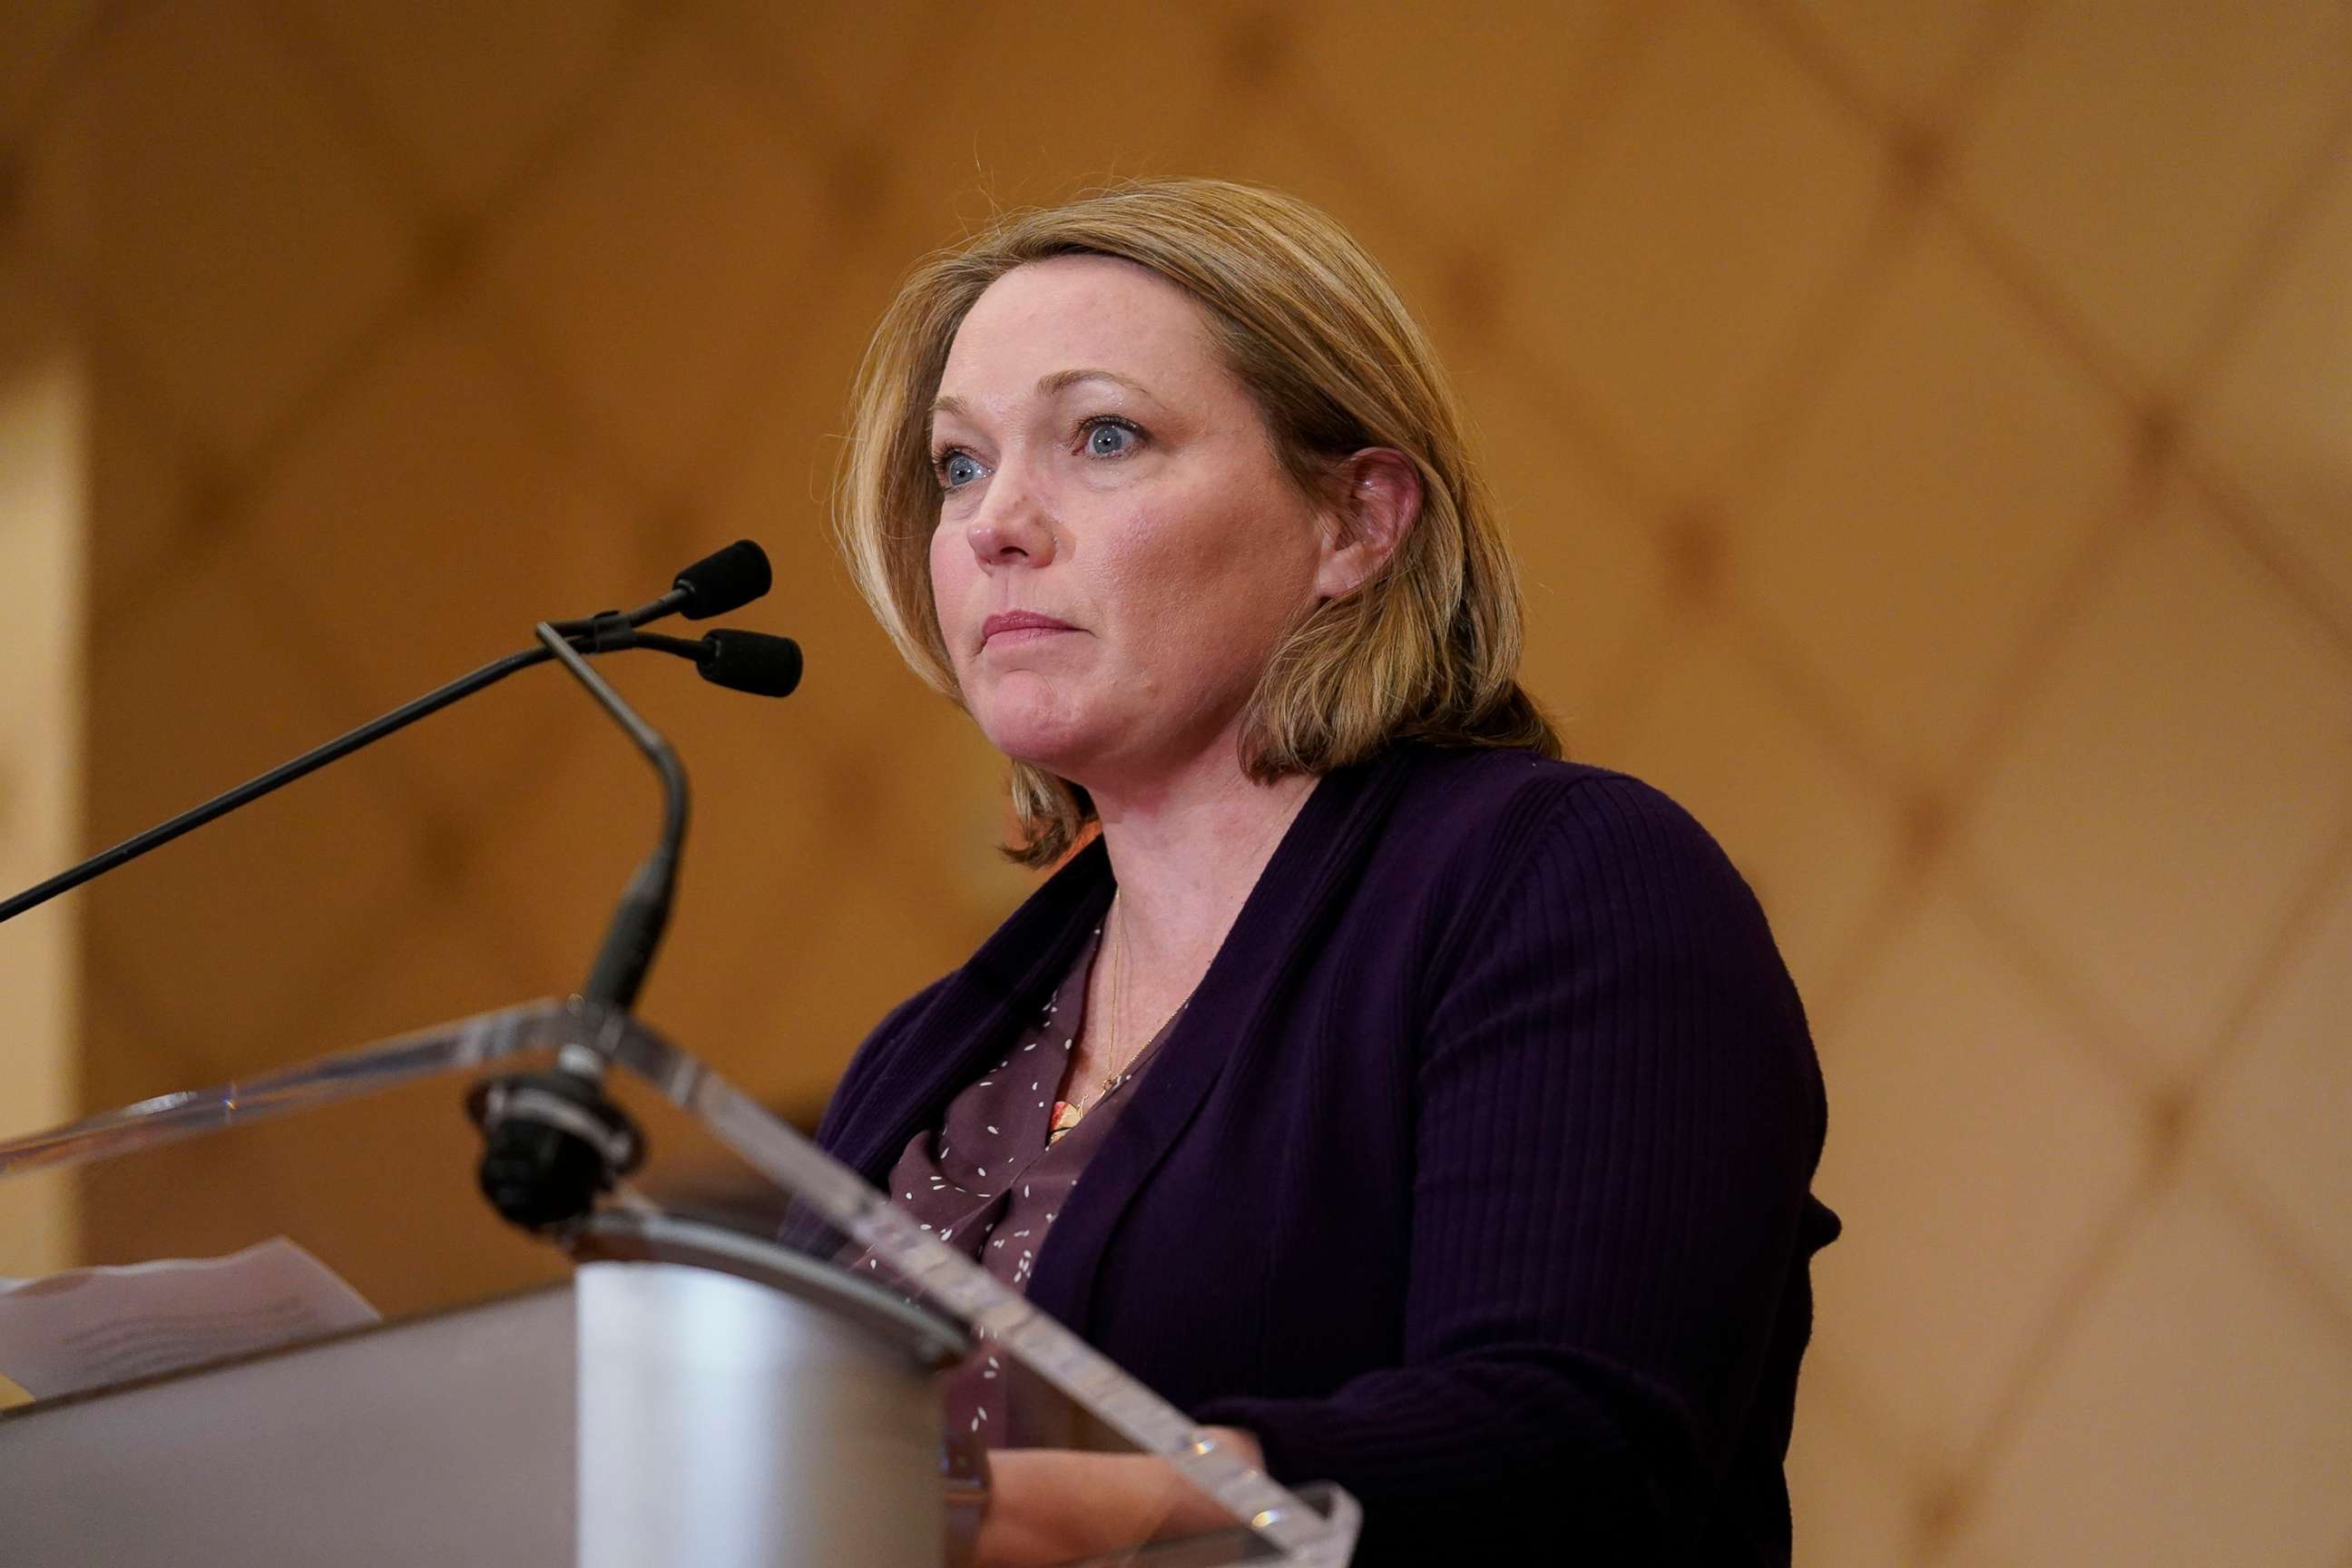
point(1060, 381)
point(1063, 380)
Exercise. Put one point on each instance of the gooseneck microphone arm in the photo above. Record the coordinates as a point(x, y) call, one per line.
point(277, 778)
point(553, 1141)
point(638, 924)
point(720, 582)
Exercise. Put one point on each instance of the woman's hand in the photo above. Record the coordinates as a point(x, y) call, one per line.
point(1056, 1505)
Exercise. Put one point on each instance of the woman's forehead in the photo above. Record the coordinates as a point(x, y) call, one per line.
point(1033, 329)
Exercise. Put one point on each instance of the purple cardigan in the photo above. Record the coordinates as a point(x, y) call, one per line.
point(1474, 1179)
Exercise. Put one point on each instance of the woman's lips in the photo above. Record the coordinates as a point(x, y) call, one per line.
point(1020, 626)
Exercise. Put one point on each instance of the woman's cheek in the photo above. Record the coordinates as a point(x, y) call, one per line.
point(950, 588)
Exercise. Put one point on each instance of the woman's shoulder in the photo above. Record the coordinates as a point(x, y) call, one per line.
point(1557, 872)
point(1492, 776)
point(1496, 841)
point(1507, 807)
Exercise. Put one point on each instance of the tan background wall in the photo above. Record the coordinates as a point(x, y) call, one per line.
point(44, 527)
point(1928, 429)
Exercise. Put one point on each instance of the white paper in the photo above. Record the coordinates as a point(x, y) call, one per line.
point(88, 1328)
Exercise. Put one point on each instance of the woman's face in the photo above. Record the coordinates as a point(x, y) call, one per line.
point(1119, 551)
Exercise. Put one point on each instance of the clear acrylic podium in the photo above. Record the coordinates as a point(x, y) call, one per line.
point(741, 1358)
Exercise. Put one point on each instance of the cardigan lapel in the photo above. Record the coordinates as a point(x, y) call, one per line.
point(942, 1048)
point(1313, 865)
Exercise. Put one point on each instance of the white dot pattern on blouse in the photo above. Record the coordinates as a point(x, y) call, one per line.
point(1002, 1223)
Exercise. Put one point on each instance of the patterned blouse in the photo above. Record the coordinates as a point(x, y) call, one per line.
point(990, 1178)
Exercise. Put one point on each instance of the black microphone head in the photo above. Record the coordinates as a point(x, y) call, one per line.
point(726, 580)
point(755, 662)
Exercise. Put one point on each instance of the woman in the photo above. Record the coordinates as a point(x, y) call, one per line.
point(1434, 1115)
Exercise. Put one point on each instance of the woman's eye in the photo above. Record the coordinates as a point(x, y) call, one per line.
point(1111, 438)
point(957, 470)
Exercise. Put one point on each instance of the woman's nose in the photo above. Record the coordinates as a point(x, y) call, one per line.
point(1012, 527)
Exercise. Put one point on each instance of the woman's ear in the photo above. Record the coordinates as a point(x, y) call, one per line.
point(1376, 499)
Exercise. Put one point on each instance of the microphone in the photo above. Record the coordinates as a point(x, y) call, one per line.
point(723, 581)
point(755, 662)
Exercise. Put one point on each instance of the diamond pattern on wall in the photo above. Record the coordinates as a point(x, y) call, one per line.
point(1931, 503)
point(432, 511)
point(467, 98)
point(1970, 1223)
point(2104, 1468)
point(2137, 154)
point(2281, 1103)
point(1522, 87)
point(652, 262)
point(42, 36)
point(2182, 766)
point(1911, 56)
point(1692, 238)
point(2279, 415)
point(186, 113)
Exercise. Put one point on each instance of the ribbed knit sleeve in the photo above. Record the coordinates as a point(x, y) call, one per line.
point(1618, 1116)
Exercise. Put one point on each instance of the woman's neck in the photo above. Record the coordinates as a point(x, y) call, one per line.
point(1186, 854)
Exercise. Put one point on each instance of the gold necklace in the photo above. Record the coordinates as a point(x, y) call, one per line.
point(1113, 1031)
point(1118, 1003)
point(1068, 1113)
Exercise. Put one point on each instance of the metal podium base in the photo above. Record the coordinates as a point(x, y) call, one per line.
point(646, 1413)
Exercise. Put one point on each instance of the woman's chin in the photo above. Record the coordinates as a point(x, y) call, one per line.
point(1056, 743)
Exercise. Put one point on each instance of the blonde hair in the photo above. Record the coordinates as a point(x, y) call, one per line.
point(1427, 647)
